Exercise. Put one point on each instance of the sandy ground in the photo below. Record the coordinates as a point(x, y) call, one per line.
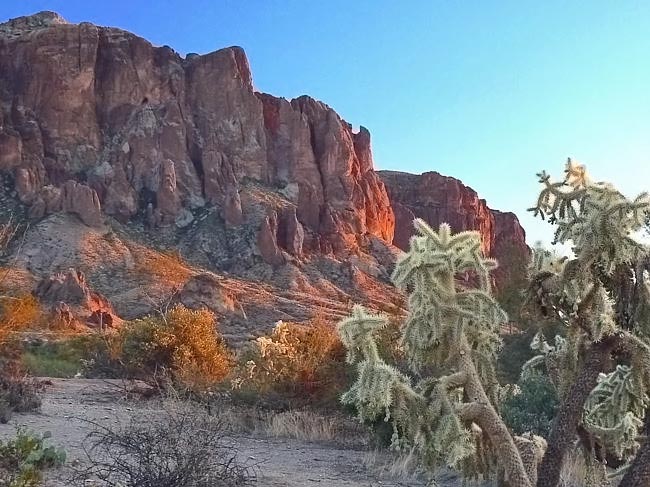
point(280, 462)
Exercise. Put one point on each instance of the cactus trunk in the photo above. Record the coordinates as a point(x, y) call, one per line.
point(481, 411)
point(638, 474)
point(565, 425)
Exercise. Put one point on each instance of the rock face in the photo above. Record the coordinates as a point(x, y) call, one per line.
point(96, 121)
point(71, 299)
point(436, 199)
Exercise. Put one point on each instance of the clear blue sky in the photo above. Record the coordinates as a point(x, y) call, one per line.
point(489, 92)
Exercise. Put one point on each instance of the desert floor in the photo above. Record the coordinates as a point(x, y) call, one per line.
point(279, 462)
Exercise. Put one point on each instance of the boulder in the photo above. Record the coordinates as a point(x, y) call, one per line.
point(83, 201)
point(70, 297)
point(205, 290)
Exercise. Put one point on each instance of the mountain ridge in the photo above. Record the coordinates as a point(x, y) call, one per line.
point(154, 151)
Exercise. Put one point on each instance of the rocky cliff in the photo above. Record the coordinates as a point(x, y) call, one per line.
point(272, 203)
point(436, 199)
point(98, 121)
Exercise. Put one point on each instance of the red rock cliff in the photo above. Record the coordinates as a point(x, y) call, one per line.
point(436, 199)
point(96, 121)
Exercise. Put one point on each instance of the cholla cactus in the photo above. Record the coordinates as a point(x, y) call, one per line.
point(601, 296)
point(452, 326)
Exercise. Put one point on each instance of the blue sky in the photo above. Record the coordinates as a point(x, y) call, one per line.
point(488, 92)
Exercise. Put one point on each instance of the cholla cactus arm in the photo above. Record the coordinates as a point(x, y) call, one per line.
point(450, 419)
point(356, 333)
point(636, 311)
point(559, 199)
point(615, 409)
point(421, 422)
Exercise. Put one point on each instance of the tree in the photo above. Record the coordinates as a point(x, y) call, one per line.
point(445, 408)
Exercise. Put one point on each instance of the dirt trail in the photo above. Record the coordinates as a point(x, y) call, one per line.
point(281, 462)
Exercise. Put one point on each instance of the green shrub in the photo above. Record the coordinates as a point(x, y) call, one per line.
point(23, 459)
point(514, 353)
point(295, 365)
point(92, 355)
point(531, 405)
point(45, 366)
point(60, 358)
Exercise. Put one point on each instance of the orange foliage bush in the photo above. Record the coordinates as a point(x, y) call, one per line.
point(17, 313)
point(183, 343)
point(17, 391)
point(199, 356)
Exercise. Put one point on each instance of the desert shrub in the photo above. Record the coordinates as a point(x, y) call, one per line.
point(531, 405)
point(8, 231)
point(23, 459)
point(103, 356)
point(18, 391)
point(178, 447)
point(21, 393)
point(5, 411)
point(181, 346)
point(17, 313)
point(295, 364)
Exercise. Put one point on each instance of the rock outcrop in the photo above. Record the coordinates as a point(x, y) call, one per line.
point(72, 300)
point(71, 197)
point(95, 119)
point(205, 290)
point(436, 199)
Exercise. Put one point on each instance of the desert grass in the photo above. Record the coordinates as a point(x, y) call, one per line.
point(403, 466)
point(313, 427)
point(576, 473)
point(303, 425)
